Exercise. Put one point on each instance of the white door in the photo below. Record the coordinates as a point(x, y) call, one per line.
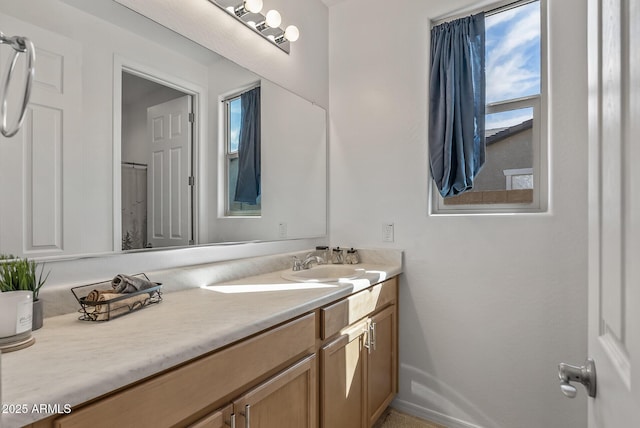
point(614, 211)
point(43, 209)
point(169, 169)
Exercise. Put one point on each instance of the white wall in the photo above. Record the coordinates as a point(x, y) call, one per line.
point(489, 305)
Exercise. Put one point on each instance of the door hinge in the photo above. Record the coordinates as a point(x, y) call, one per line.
point(192, 117)
point(192, 181)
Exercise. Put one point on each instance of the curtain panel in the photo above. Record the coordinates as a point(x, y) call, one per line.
point(457, 104)
point(248, 185)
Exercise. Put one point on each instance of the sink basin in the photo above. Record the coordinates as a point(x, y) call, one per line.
point(324, 273)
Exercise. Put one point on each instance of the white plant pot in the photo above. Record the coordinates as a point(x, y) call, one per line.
point(16, 312)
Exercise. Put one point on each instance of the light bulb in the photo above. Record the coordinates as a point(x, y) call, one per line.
point(271, 37)
point(231, 9)
point(253, 6)
point(251, 24)
point(291, 33)
point(273, 18)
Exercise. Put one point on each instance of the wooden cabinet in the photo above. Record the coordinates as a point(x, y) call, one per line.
point(345, 312)
point(359, 367)
point(287, 400)
point(346, 351)
point(342, 386)
point(382, 362)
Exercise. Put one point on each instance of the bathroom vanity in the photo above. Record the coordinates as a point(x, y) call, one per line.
point(258, 351)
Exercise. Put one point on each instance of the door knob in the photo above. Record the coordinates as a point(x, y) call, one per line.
point(586, 375)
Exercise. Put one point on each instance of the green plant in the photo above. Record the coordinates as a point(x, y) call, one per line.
point(21, 274)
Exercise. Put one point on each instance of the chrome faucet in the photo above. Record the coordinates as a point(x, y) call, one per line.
point(306, 263)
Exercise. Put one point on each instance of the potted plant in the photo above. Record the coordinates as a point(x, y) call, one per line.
point(21, 274)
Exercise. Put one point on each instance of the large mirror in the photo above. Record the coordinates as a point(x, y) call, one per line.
point(134, 140)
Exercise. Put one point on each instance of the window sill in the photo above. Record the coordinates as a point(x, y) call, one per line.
point(518, 196)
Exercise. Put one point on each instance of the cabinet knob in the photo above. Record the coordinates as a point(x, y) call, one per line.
point(367, 338)
point(247, 416)
point(372, 327)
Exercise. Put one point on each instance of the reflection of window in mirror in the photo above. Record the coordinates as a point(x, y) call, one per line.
point(242, 151)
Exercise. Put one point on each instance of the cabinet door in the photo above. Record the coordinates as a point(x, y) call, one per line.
point(382, 362)
point(219, 419)
point(343, 370)
point(287, 400)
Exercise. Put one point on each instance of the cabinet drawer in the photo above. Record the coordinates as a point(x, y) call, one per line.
point(337, 316)
point(167, 399)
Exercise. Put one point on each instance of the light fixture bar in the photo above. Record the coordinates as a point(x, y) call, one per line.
point(266, 25)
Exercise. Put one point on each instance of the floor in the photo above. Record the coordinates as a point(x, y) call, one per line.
point(394, 419)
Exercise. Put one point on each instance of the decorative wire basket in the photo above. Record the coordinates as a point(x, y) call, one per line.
point(110, 304)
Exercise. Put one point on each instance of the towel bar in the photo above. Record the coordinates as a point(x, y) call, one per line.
point(19, 45)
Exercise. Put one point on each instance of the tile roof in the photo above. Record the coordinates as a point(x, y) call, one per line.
point(491, 136)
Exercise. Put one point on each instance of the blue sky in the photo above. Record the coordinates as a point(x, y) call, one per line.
point(235, 116)
point(513, 60)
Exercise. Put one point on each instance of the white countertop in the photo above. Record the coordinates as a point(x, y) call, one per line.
point(75, 361)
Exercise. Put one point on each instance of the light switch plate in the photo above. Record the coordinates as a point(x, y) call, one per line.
point(282, 230)
point(387, 232)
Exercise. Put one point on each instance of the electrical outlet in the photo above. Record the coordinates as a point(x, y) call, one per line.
point(387, 232)
point(282, 230)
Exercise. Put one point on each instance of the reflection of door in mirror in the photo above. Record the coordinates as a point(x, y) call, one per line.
point(156, 164)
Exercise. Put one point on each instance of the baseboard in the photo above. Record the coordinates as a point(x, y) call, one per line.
point(430, 415)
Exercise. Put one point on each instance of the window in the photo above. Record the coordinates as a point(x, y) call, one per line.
point(233, 123)
point(513, 178)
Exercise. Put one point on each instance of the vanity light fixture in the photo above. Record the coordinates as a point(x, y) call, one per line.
point(268, 25)
point(253, 6)
point(273, 18)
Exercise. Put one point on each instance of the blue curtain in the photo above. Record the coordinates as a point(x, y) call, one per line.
point(248, 185)
point(456, 104)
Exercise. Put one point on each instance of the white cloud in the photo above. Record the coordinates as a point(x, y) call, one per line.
point(235, 133)
point(493, 20)
point(510, 79)
point(522, 31)
point(517, 32)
